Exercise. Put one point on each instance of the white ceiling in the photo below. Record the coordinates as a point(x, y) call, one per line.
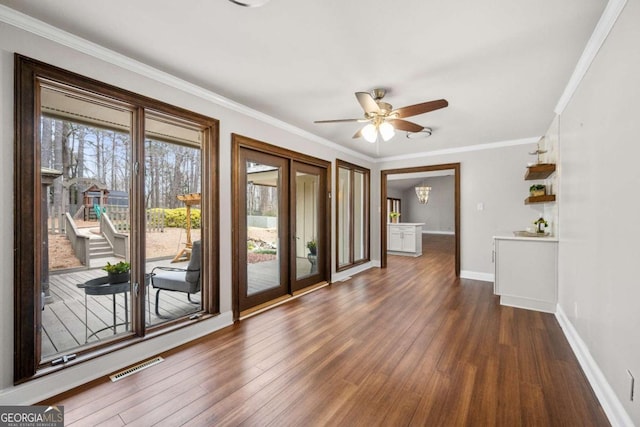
point(501, 64)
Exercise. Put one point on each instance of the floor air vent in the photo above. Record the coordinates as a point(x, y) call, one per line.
point(137, 368)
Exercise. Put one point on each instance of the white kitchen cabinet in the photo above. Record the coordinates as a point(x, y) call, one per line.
point(404, 238)
point(526, 272)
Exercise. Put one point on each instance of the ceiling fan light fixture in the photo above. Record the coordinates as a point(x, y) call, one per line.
point(387, 131)
point(370, 133)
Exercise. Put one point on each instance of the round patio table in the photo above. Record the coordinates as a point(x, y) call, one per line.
point(101, 286)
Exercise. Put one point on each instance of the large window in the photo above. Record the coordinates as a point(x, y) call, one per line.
point(352, 213)
point(115, 201)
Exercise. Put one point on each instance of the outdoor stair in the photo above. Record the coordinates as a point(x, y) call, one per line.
point(100, 248)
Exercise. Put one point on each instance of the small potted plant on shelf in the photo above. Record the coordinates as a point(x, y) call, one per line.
point(537, 190)
point(394, 216)
point(541, 225)
point(119, 272)
point(313, 247)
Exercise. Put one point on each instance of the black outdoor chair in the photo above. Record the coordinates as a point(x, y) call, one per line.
point(179, 279)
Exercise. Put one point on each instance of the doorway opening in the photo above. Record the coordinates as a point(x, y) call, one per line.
point(389, 202)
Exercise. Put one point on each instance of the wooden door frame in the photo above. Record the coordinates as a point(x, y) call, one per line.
point(238, 142)
point(383, 215)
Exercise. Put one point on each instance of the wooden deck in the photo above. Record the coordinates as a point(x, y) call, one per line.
point(63, 320)
point(264, 275)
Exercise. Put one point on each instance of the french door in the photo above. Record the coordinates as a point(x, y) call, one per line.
point(308, 225)
point(264, 262)
point(282, 227)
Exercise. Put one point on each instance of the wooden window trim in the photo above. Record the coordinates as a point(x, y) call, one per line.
point(367, 215)
point(28, 230)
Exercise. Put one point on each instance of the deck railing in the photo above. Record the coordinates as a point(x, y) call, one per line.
point(79, 242)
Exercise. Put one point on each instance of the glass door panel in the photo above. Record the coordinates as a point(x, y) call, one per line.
point(172, 218)
point(85, 147)
point(264, 196)
point(308, 231)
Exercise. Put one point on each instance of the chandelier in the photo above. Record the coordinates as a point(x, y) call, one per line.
point(422, 191)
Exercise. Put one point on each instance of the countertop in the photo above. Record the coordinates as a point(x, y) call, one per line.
point(508, 235)
point(406, 223)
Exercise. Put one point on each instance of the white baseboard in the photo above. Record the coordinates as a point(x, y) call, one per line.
point(610, 403)
point(475, 275)
point(451, 233)
point(346, 274)
point(528, 304)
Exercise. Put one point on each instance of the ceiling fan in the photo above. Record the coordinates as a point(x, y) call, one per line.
point(383, 119)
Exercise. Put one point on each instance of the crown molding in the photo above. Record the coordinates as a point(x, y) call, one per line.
point(465, 149)
point(603, 28)
point(49, 32)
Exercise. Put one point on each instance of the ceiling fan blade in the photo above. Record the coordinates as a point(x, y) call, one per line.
point(405, 125)
point(357, 134)
point(367, 102)
point(341, 121)
point(414, 110)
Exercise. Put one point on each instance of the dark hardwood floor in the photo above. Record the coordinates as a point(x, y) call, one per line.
point(408, 345)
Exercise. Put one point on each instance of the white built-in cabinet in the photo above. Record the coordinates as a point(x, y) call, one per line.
point(404, 238)
point(526, 272)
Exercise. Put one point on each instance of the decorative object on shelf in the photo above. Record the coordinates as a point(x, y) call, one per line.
point(539, 151)
point(312, 245)
point(541, 224)
point(118, 273)
point(537, 190)
point(394, 216)
point(422, 191)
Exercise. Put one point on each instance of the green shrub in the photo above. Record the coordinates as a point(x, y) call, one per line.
point(176, 217)
point(265, 251)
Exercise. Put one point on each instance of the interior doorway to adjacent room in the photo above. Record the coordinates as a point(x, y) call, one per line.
point(398, 192)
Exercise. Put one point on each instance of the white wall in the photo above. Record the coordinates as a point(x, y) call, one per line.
point(600, 209)
point(439, 213)
point(14, 40)
point(493, 177)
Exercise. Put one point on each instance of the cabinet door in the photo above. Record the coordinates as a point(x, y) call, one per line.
point(395, 239)
point(526, 270)
point(408, 241)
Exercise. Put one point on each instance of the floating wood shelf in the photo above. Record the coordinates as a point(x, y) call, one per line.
point(540, 199)
point(541, 171)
